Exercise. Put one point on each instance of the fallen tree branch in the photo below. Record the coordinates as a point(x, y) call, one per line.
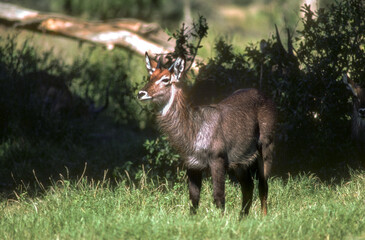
point(131, 34)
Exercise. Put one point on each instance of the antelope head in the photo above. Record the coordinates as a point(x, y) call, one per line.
point(161, 87)
point(359, 97)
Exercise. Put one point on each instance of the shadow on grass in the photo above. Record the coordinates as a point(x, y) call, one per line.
point(332, 166)
point(102, 149)
point(101, 146)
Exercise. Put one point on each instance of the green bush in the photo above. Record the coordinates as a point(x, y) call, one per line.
point(112, 73)
point(160, 158)
point(159, 161)
point(313, 103)
point(22, 106)
point(36, 135)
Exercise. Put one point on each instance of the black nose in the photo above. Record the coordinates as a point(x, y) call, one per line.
point(362, 112)
point(141, 94)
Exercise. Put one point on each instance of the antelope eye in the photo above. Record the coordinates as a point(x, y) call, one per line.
point(165, 80)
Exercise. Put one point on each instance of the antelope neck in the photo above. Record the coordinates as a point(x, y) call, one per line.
point(175, 120)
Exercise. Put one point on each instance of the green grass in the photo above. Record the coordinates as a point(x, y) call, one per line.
point(302, 207)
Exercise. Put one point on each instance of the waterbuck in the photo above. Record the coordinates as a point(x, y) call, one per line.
point(358, 115)
point(236, 134)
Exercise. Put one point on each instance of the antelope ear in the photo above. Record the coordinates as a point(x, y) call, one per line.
point(150, 65)
point(349, 84)
point(179, 67)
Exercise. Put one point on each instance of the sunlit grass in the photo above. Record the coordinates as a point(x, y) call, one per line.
point(302, 207)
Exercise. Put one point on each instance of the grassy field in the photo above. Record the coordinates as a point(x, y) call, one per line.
point(84, 205)
point(301, 207)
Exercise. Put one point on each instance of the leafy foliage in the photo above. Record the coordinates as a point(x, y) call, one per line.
point(221, 75)
point(159, 161)
point(161, 158)
point(188, 41)
point(107, 73)
point(312, 96)
point(313, 103)
point(35, 136)
point(22, 109)
point(334, 40)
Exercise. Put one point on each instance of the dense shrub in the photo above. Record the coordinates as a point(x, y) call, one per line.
point(160, 158)
point(313, 103)
point(23, 110)
point(46, 117)
point(309, 90)
point(306, 84)
point(305, 81)
point(112, 73)
point(24, 71)
point(32, 134)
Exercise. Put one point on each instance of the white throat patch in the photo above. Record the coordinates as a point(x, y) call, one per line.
point(166, 109)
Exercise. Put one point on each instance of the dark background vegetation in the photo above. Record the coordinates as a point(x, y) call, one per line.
point(314, 105)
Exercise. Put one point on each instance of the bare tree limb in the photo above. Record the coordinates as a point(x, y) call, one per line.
point(131, 34)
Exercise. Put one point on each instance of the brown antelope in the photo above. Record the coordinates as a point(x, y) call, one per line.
point(358, 115)
point(235, 134)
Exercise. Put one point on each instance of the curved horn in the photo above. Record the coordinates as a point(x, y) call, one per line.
point(159, 63)
point(171, 68)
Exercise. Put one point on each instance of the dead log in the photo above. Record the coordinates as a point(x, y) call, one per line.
point(131, 34)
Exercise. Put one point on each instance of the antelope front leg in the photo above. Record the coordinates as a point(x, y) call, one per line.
point(195, 184)
point(218, 170)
